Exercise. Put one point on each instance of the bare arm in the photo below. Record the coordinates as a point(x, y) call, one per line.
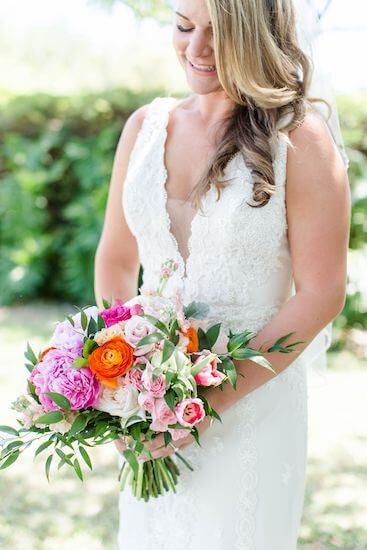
point(318, 215)
point(116, 264)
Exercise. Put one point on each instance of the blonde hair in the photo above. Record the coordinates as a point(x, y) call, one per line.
point(262, 68)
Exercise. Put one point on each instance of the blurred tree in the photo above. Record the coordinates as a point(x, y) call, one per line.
point(160, 9)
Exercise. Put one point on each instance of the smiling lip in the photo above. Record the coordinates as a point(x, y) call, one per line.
point(201, 71)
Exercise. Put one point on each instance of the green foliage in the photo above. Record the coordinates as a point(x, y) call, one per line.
point(56, 156)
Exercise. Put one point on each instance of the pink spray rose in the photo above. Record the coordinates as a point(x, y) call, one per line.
point(190, 411)
point(156, 388)
point(113, 315)
point(133, 378)
point(136, 309)
point(209, 375)
point(55, 373)
point(146, 401)
point(162, 416)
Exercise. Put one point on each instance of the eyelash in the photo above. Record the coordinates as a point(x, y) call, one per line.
point(182, 29)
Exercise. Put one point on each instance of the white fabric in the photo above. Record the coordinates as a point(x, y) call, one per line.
point(247, 490)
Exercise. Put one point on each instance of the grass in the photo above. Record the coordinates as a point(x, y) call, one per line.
point(68, 514)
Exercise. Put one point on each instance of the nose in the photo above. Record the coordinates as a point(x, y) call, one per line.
point(199, 46)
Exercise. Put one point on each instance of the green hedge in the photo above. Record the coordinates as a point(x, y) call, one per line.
point(56, 156)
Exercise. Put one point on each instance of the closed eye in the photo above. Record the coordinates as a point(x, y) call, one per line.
point(182, 29)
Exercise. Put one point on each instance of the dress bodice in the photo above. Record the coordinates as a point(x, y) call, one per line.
point(238, 258)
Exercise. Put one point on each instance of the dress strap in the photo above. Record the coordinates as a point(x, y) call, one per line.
point(153, 124)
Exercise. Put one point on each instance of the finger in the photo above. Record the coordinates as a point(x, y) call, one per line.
point(162, 453)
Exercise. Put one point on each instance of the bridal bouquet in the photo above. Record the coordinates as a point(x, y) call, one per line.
point(132, 370)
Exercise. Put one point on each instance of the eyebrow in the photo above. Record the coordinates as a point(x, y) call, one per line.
point(187, 19)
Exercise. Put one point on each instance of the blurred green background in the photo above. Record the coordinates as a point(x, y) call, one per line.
point(63, 102)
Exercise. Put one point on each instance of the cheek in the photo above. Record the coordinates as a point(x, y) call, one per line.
point(179, 41)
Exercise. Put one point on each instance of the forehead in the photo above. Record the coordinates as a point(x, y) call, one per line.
point(195, 11)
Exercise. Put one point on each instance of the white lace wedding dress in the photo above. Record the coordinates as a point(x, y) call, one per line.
point(247, 489)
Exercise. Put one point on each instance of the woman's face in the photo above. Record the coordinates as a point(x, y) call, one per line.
point(193, 43)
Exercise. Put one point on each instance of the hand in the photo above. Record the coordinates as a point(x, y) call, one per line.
point(156, 446)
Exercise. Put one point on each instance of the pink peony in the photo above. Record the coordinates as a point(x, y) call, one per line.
point(162, 416)
point(68, 338)
point(115, 314)
point(190, 411)
point(156, 388)
point(55, 373)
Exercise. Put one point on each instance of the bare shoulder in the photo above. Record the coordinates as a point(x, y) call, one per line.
point(314, 162)
point(132, 127)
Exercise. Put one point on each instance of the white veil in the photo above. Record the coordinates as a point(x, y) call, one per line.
point(309, 31)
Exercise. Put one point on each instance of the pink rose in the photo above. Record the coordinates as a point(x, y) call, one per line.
point(133, 378)
point(135, 329)
point(115, 314)
point(190, 411)
point(162, 415)
point(146, 401)
point(157, 387)
point(209, 375)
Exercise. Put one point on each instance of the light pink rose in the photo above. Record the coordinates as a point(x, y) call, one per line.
point(190, 411)
point(133, 378)
point(162, 416)
point(135, 329)
point(209, 375)
point(146, 401)
point(156, 388)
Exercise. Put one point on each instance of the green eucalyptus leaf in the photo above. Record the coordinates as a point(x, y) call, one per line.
point(150, 339)
point(169, 398)
point(212, 334)
point(50, 418)
point(48, 466)
point(79, 424)
point(9, 430)
point(89, 346)
point(60, 400)
point(86, 457)
point(78, 469)
point(168, 349)
point(83, 319)
point(196, 310)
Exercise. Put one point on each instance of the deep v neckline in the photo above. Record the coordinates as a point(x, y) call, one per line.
point(184, 264)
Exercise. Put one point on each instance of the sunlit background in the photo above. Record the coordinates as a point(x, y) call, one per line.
point(71, 72)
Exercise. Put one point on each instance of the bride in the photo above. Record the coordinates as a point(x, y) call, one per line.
point(243, 185)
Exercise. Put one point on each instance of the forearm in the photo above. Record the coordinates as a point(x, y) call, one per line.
point(305, 314)
point(112, 280)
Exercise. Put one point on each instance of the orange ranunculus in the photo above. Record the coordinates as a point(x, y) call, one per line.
point(111, 360)
point(44, 353)
point(192, 335)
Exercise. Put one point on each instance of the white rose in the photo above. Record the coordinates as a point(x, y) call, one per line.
point(122, 401)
